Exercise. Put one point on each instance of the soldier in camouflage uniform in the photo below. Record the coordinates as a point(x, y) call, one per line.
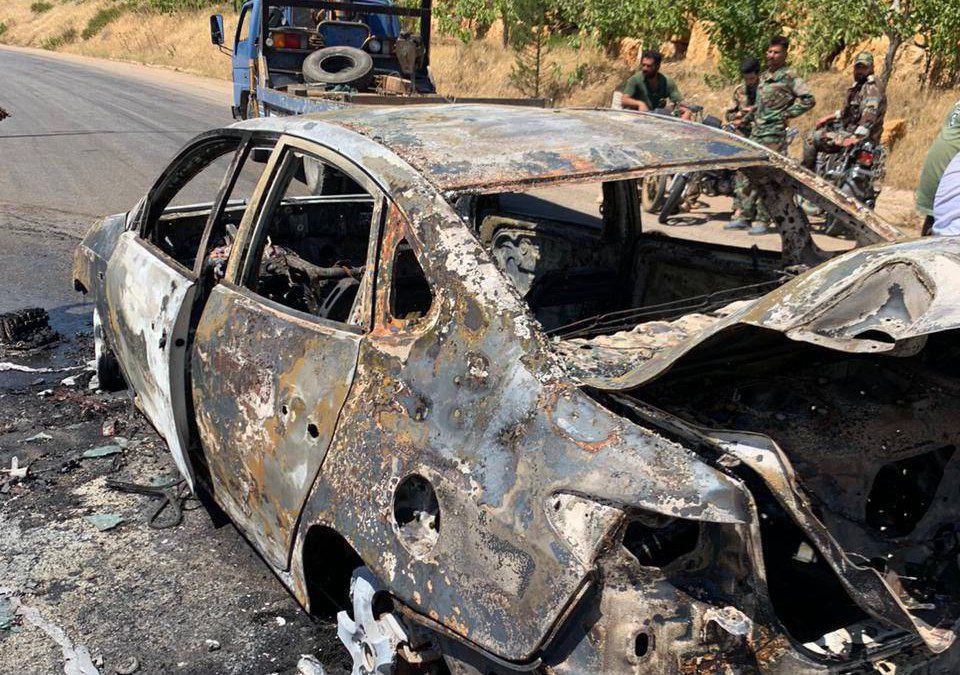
point(737, 116)
point(781, 96)
point(861, 117)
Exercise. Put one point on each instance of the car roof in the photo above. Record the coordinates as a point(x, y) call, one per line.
point(476, 146)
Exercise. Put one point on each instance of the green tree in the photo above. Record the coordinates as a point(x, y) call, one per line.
point(530, 30)
point(939, 26)
point(652, 22)
point(740, 29)
point(832, 22)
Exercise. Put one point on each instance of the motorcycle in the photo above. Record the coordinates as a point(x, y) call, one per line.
point(712, 183)
point(857, 171)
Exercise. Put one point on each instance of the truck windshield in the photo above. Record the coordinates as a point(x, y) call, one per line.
point(306, 14)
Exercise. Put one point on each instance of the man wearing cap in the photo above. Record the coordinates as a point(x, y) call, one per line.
point(860, 119)
point(781, 96)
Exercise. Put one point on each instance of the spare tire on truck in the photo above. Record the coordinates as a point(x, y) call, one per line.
point(347, 66)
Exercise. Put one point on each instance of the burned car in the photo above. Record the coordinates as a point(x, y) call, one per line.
point(438, 370)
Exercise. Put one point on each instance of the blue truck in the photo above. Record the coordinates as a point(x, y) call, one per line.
point(303, 56)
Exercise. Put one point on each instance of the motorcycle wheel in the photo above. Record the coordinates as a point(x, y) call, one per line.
point(672, 204)
point(653, 192)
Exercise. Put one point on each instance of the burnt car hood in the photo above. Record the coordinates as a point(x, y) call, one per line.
point(883, 298)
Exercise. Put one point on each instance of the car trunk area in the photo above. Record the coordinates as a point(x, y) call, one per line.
point(872, 443)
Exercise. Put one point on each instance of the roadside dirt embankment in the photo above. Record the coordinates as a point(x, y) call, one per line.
point(585, 76)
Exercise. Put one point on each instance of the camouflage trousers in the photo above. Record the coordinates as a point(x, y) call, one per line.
point(746, 199)
point(821, 140)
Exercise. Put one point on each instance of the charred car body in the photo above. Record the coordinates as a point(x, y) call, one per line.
point(502, 433)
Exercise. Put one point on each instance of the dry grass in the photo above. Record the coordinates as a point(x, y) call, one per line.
point(584, 76)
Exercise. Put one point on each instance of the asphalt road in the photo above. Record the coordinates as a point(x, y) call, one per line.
point(86, 138)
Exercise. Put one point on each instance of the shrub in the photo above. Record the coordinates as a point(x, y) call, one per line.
point(170, 6)
point(100, 20)
point(40, 7)
point(55, 42)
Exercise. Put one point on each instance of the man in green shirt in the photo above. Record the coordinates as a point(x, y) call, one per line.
point(943, 149)
point(649, 89)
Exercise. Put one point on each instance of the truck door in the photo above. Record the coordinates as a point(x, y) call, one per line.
point(244, 51)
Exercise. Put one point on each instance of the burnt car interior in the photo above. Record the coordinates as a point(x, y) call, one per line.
point(182, 203)
point(881, 479)
point(410, 294)
point(593, 272)
point(313, 241)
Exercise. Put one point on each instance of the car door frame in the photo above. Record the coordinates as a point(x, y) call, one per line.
point(150, 331)
point(269, 512)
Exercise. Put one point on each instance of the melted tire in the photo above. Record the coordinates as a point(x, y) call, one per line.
point(653, 193)
point(109, 373)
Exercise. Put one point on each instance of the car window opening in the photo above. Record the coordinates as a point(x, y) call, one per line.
point(585, 266)
point(180, 207)
point(410, 294)
point(313, 248)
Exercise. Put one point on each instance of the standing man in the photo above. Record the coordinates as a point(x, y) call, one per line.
point(861, 117)
point(649, 89)
point(942, 151)
point(946, 204)
point(738, 116)
point(781, 96)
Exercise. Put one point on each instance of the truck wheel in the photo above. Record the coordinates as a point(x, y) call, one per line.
point(347, 66)
point(108, 368)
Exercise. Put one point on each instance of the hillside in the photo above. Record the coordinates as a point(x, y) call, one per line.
point(586, 76)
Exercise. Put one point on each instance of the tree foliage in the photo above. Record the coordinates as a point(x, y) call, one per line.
point(845, 22)
point(820, 28)
point(740, 29)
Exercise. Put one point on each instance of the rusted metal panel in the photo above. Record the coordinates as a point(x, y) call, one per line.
point(268, 388)
point(905, 290)
point(453, 399)
point(460, 146)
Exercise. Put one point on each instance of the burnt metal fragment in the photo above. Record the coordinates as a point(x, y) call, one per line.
point(25, 329)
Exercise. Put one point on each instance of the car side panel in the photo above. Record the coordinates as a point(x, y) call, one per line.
point(268, 387)
point(454, 401)
point(90, 258)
